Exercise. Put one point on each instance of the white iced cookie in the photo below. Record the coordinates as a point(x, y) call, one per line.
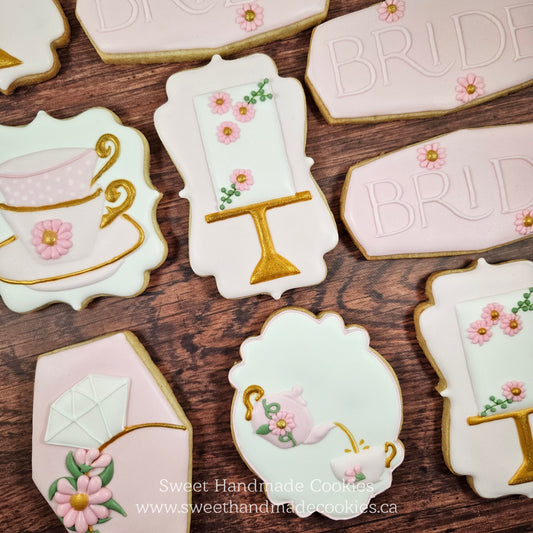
point(151, 31)
point(301, 399)
point(30, 32)
point(107, 434)
point(77, 211)
point(477, 330)
point(258, 221)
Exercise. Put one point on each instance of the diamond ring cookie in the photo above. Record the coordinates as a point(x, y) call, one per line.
point(476, 330)
point(414, 58)
point(301, 398)
point(258, 221)
point(470, 190)
point(107, 430)
point(149, 31)
point(77, 211)
point(30, 32)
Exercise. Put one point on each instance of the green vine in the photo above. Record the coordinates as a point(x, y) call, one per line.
point(227, 194)
point(260, 93)
point(526, 304)
point(492, 407)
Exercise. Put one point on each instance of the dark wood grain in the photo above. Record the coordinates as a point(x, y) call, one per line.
point(193, 334)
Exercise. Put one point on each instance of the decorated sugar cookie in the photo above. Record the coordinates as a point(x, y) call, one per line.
point(477, 330)
point(413, 58)
point(77, 211)
point(30, 32)
point(301, 399)
point(149, 31)
point(259, 223)
point(107, 430)
point(468, 190)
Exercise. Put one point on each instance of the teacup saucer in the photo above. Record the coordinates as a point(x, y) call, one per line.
point(114, 242)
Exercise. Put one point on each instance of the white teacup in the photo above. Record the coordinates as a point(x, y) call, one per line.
point(372, 461)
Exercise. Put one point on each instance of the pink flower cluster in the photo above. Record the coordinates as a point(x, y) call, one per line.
point(242, 178)
point(514, 390)
point(93, 458)
point(431, 156)
point(480, 331)
point(52, 238)
point(350, 476)
point(523, 223)
point(469, 88)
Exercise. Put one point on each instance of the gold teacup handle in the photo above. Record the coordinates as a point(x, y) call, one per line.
point(112, 194)
point(103, 150)
point(252, 389)
point(389, 459)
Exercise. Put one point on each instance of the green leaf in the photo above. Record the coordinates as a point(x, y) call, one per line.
point(514, 310)
point(107, 475)
point(72, 481)
point(360, 477)
point(491, 398)
point(114, 506)
point(263, 430)
point(53, 489)
point(222, 207)
point(85, 468)
point(72, 466)
point(103, 520)
point(269, 96)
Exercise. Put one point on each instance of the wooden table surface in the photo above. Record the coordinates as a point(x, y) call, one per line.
point(193, 334)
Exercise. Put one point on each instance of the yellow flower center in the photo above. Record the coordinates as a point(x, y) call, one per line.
point(79, 501)
point(227, 131)
point(241, 178)
point(494, 315)
point(243, 110)
point(513, 324)
point(516, 391)
point(281, 424)
point(528, 221)
point(432, 155)
point(219, 101)
point(391, 8)
point(470, 88)
point(482, 331)
point(249, 15)
point(49, 237)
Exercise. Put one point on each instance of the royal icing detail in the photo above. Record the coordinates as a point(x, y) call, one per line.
point(93, 429)
point(292, 408)
point(468, 190)
point(30, 31)
point(411, 58)
point(76, 211)
point(152, 31)
point(477, 329)
point(246, 175)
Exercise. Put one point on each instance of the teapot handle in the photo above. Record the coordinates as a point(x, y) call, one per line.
point(259, 393)
point(389, 459)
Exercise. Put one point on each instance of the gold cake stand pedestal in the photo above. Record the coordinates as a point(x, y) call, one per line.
point(272, 265)
point(521, 419)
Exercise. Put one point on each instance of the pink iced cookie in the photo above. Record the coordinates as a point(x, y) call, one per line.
point(413, 58)
point(477, 330)
point(108, 434)
point(468, 190)
point(30, 31)
point(148, 31)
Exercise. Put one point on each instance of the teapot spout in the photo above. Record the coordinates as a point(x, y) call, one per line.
point(318, 433)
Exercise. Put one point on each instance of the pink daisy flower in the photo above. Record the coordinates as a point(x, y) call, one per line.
point(228, 132)
point(93, 458)
point(219, 103)
point(431, 156)
point(242, 178)
point(492, 313)
point(391, 10)
point(80, 508)
point(511, 324)
point(243, 111)
point(281, 423)
point(52, 238)
point(479, 332)
point(249, 16)
point(350, 476)
point(523, 222)
point(469, 88)
point(514, 390)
